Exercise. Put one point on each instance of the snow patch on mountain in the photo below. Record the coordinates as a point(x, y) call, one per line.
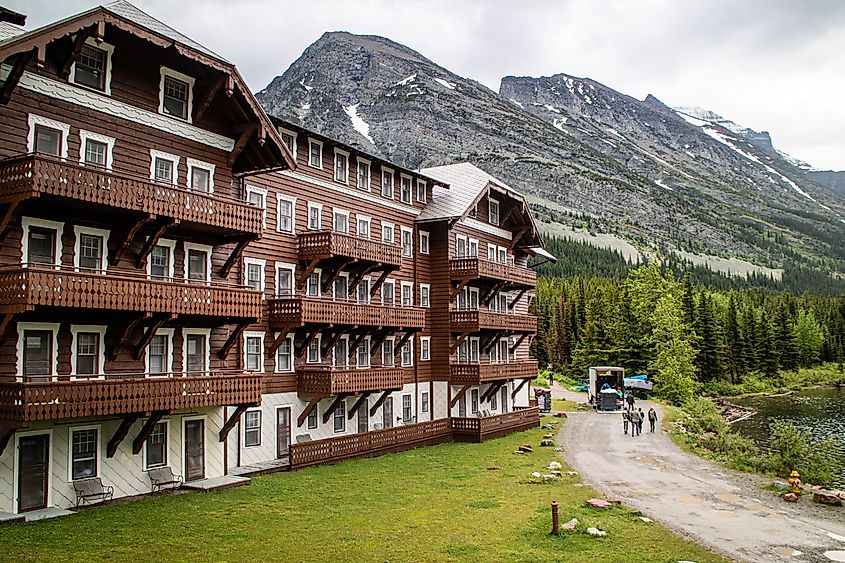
point(445, 83)
point(359, 124)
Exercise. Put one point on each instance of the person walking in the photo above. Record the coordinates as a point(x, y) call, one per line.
point(652, 418)
point(625, 420)
point(640, 418)
point(632, 416)
point(629, 399)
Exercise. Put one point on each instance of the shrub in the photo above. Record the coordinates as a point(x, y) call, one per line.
point(793, 449)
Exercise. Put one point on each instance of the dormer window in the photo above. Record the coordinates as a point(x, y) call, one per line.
point(494, 212)
point(175, 93)
point(341, 167)
point(92, 67)
point(421, 191)
point(315, 154)
point(289, 139)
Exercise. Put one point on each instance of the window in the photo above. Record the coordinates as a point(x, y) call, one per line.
point(315, 154)
point(424, 401)
point(254, 273)
point(473, 247)
point(340, 417)
point(41, 242)
point(95, 150)
point(200, 176)
point(363, 354)
point(87, 354)
point(340, 353)
point(491, 252)
point(405, 189)
point(460, 246)
point(254, 351)
point(257, 197)
point(160, 262)
point(363, 174)
point(340, 223)
point(92, 67)
point(424, 237)
point(84, 449)
point(340, 289)
point(408, 353)
point(289, 139)
point(155, 448)
point(160, 352)
point(473, 401)
point(364, 290)
point(47, 136)
point(407, 294)
point(474, 345)
point(91, 250)
point(363, 226)
point(425, 295)
point(252, 428)
point(176, 94)
point(407, 242)
point(284, 355)
point(196, 350)
point(493, 402)
point(425, 348)
point(314, 353)
point(284, 279)
point(387, 412)
point(494, 212)
point(387, 233)
point(387, 358)
point(285, 208)
point(341, 166)
point(164, 168)
point(37, 350)
point(312, 418)
point(406, 408)
point(198, 263)
point(388, 291)
point(421, 196)
point(315, 216)
point(312, 286)
point(387, 183)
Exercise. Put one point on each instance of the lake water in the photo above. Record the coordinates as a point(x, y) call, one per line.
point(820, 411)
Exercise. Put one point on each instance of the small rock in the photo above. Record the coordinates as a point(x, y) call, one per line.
point(558, 449)
point(596, 532)
point(598, 503)
point(555, 465)
point(571, 525)
point(536, 474)
point(646, 519)
point(781, 485)
point(572, 473)
point(548, 477)
point(790, 497)
point(519, 452)
point(827, 497)
point(547, 443)
point(547, 436)
point(526, 449)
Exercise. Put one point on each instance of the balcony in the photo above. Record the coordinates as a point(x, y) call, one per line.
point(325, 382)
point(478, 373)
point(323, 245)
point(43, 176)
point(475, 321)
point(22, 288)
point(479, 429)
point(477, 268)
point(22, 403)
point(298, 311)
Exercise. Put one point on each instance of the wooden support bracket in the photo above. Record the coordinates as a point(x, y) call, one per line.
point(152, 241)
point(491, 292)
point(158, 321)
point(357, 278)
point(330, 342)
point(21, 62)
point(5, 319)
point(459, 341)
point(405, 337)
point(492, 390)
point(460, 287)
point(377, 341)
point(278, 341)
point(6, 433)
point(248, 131)
point(516, 299)
point(78, 43)
point(330, 411)
point(233, 338)
point(235, 256)
point(8, 215)
point(125, 424)
point(379, 402)
point(358, 404)
point(519, 341)
point(491, 341)
point(519, 387)
point(307, 411)
point(117, 343)
point(356, 341)
point(519, 234)
point(457, 397)
point(146, 430)
point(202, 105)
point(309, 337)
point(122, 246)
point(379, 282)
point(328, 278)
point(306, 273)
point(230, 423)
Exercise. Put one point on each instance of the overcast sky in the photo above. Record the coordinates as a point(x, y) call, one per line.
point(774, 65)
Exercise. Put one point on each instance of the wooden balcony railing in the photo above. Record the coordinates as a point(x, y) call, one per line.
point(36, 175)
point(477, 320)
point(477, 373)
point(478, 429)
point(331, 381)
point(373, 443)
point(297, 311)
point(24, 287)
point(329, 244)
point(127, 393)
point(479, 268)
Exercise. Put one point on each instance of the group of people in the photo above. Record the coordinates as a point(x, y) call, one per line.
point(636, 417)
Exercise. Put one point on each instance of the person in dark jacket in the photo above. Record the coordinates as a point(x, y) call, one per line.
point(652, 418)
point(640, 419)
point(626, 418)
point(629, 399)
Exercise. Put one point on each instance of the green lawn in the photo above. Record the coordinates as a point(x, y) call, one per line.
point(468, 502)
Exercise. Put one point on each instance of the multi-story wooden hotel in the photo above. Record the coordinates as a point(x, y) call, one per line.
point(188, 284)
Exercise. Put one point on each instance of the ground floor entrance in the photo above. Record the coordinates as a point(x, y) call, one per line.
point(33, 471)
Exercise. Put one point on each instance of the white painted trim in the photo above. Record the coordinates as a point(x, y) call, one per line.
point(364, 219)
point(315, 143)
point(345, 154)
point(345, 363)
point(363, 161)
point(472, 242)
point(70, 432)
point(292, 355)
point(402, 285)
point(366, 344)
point(402, 232)
point(425, 249)
point(477, 225)
point(183, 78)
point(261, 336)
point(427, 287)
point(21, 327)
point(340, 188)
point(82, 230)
point(154, 154)
point(319, 273)
point(171, 267)
point(108, 141)
point(425, 340)
point(284, 266)
point(391, 173)
point(424, 185)
point(341, 404)
point(16, 462)
point(263, 193)
point(193, 163)
point(337, 211)
point(295, 148)
point(201, 247)
point(392, 283)
point(319, 207)
point(458, 238)
point(490, 204)
point(256, 262)
point(408, 344)
point(109, 49)
point(391, 356)
point(318, 339)
point(101, 359)
point(168, 332)
point(83, 97)
point(392, 232)
point(27, 222)
point(34, 120)
point(292, 200)
point(145, 467)
point(403, 177)
point(202, 332)
point(260, 427)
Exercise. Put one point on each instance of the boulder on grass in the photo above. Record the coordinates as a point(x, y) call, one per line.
point(790, 497)
point(827, 497)
point(571, 525)
point(598, 503)
point(596, 532)
point(545, 443)
point(555, 465)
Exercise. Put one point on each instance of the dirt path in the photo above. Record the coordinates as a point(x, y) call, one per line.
point(722, 509)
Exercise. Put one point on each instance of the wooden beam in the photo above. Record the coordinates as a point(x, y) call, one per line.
point(379, 402)
point(376, 342)
point(519, 387)
point(150, 332)
point(78, 43)
point(8, 215)
point(358, 404)
point(357, 278)
point(457, 397)
point(519, 234)
point(331, 341)
point(456, 290)
point(488, 295)
point(330, 411)
point(491, 341)
point(328, 279)
point(356, 341)
point(233, 338)
point(519, 341)
point(6, 433)
point(507, 215)
point(516, 299)
point(306, 273)
point(310, 407)
point(233, 419)
point(379, 282)
point(152, 241)
point(4, 324)
point(21, 62)
point(235, 256)
point(201, 106)
point(7, 15)
point(492, 390)
point(248, 131)
point(146, 430)
point(405, 337)
point(278, 341)
point(117, 343)
point(122, 247)
point(309, 337)
point(230, 85)
point(126, 423)
point(459, 341)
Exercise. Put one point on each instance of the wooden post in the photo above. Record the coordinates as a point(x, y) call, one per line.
point(555, 527)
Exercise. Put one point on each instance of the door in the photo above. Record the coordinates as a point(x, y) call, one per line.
point(194, 449)
point(504, 394)
point(37, 354)
point(282, 432)
point(462, 406)
point(33, 468)
point(387, 412)
point(364, 417)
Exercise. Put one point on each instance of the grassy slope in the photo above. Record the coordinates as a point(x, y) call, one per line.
point(440, 503)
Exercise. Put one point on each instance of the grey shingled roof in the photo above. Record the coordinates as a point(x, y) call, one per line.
point(7, 31)
point(466, 182)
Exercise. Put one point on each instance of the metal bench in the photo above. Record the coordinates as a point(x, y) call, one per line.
point(163, 477)
point(91, 490)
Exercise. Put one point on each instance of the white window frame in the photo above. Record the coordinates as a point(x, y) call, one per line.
point(101, 353)
point(311, 144)
point(502, 251)
point(345, 154)
point(338, 211)
point(109, 49)
point(171, 268)
point(425, 240)
point(424, 398)
point(184, 78)
point(284, 266)
point(392, 356)
point(261, 336)
point(410, 232)
point(260, 426)
point(344, 276)
point(248, 261)
point(318, 341)
point(410, 190)
point(292, 355)
point(391, 283)
point(319, 273)
point(365, 344)
point(364, 219)
point(425, 290)
point(169, 334)
point(492, 203)
point(52, 327)
point(201, 332)
point(193, 163)
point(202, 247)
point(346, 359)
point(492, 252)
point(85, 136)
point(402, 286)
point(34, 120)
point(410, 345)
point(81, 230)
point(472, 243)
point(410, 400)
point(146, 467)
point(368, 280)
point(341, 408)
point(424, 185)
point(319, 208)
point(458, 239)
point(263, 193)
point(391, 173)
point(27, 223)
point(70, 432)
point(292, 200)
point(392, 228)
point(154, 154)
point(295, 148)
point(359, 161)
point(425, 348)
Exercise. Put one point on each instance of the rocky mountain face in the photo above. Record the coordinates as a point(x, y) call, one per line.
point(833, 180)
point(585, 154)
